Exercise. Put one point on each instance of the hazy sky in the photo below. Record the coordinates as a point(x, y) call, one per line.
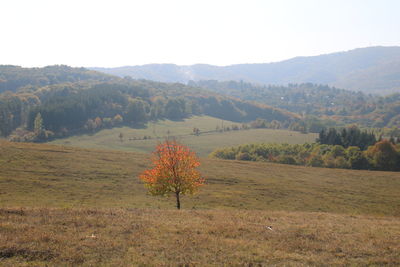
point(117, 32)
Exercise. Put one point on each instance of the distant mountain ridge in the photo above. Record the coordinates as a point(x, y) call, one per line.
point(370, 70)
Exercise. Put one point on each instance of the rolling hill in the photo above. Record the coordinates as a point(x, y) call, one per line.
point(74, 100)
point(371, 70)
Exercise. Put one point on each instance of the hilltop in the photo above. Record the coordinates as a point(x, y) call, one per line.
point(371, 70)
point(13, 78)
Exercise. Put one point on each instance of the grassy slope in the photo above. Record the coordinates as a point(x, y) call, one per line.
point(98, 217)
point(203, 144)
point(45, 175)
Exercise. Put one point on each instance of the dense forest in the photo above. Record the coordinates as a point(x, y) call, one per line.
point(351, 136)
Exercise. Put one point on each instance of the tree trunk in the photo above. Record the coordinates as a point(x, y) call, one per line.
point(178, 202)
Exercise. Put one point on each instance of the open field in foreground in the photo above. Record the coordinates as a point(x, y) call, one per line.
point(150, 237)
point(71, 206)
point(204, 144)
point(37, 175)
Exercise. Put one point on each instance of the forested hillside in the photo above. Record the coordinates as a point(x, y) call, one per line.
point(34, 112)
point(13, 78)
point(371, 70)
point(330, 103)
point(44, 103)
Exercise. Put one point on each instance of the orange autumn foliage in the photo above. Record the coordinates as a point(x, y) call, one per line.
point(174, 171)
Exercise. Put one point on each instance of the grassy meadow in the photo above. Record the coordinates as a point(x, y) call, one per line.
point(61, 205)
point(204, 144)
point(37, 175)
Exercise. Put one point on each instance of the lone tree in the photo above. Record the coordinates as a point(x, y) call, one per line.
point(174, 171)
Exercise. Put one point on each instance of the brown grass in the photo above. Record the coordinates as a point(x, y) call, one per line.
point(87, 207)
point(144, 237)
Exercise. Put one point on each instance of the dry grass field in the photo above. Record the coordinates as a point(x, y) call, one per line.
point(71, 206)
point(39, 175)
point(151, 237)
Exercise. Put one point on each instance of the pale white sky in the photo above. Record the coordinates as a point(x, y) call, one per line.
point(122, 32)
